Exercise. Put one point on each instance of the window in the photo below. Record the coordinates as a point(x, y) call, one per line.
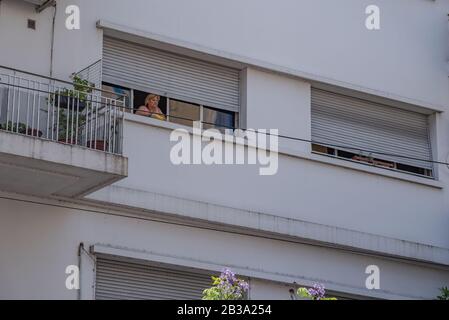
point(188, 89)
point(172, 110)
point(183, 112)
point(219, 119)
point(371, 133)
point(132, 279)
point(150, 105)
point(117, 93)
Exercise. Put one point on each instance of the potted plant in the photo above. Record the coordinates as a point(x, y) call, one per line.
point(66, 129)
point(317, 292)
point(21, 128)
point(97, 144)
point(76, 98)
point(226, 287)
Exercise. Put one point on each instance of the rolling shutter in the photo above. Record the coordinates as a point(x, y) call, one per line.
point(355, 123)
point(165, 73)
point(124, 280)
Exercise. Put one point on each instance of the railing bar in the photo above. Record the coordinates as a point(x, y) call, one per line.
point(109, 127)
point(104, 126)
point(38, 108)
point(34, 109)
point(86, 126)
point(89, 66)
point(91, 124)
point(54, 79)
point(13, 113)
point(96, 124)
point(18, 112)
point(48, 98)
point(57, 114)
point(34, 89)
point(67, 119)
point(73, 120)
point(53, 107)
point(49, 102)
point(77, 117)
point(108, 123)
point(28, 108)
point(42, 91)
point(9, 100)
point(113, 130)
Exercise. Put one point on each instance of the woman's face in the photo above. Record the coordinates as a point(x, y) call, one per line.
point(154, 102)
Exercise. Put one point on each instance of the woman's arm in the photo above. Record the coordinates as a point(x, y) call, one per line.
point(143, 111)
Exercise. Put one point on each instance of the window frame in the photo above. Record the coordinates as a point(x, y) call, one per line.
point(168, 98)
point(333, 152)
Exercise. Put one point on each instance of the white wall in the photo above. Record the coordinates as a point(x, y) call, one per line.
point(38, 242)
point(407, 57)
point(277, 102)
point(24, 48)
point(302, 189)
point(270, 290)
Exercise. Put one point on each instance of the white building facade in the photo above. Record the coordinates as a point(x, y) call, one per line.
point(362, 176)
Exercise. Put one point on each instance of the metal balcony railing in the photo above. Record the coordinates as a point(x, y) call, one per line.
point(60, 111)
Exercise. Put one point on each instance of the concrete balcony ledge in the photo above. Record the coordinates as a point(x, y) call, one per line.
point(45, 168)
point(278, 227)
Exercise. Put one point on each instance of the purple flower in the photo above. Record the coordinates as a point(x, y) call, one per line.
point(244, 285)
point(229, 284)
point(317, 291)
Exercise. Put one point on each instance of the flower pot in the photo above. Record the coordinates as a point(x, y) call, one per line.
point(68, 141)
point(66, 101)
point(34, 132)
point(97, 144)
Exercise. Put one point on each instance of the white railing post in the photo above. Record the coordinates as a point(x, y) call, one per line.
point(98, 125)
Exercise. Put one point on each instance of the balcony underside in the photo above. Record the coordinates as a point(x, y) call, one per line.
point(39, 167)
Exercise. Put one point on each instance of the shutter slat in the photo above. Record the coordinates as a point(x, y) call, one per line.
point(179, 76)
point(129, 280)
point(356, 123)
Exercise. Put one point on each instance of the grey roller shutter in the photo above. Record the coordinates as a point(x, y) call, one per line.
point(165, 73)
point(125, 280)
point(356, 123)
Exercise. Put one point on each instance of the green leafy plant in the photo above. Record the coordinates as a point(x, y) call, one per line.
point(317, 292)
point(20, 128)
point(226, 287)
point(81, 89)
point(14, 127)
point(67, 125)
point(444, 294)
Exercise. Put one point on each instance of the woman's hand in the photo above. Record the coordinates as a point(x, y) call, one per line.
point(143, 111)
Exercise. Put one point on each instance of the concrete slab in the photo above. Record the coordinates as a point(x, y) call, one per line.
point(39, 167)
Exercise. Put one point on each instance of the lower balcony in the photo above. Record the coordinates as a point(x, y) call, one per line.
point(58, 139)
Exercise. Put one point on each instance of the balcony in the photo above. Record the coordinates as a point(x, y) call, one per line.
point(58, 139)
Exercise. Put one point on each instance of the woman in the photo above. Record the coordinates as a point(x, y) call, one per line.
point(151, 108)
